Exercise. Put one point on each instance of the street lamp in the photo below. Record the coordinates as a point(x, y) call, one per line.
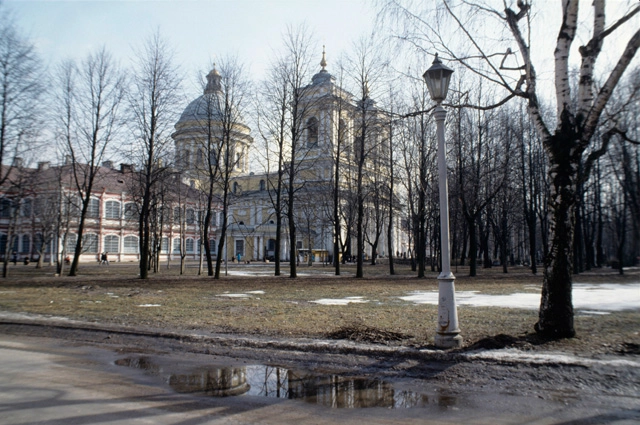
point(437, 78)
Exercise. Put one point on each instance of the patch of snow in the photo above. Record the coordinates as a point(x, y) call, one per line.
point(606, 296)
point(340, 301)
point(249, 273)
point(255, 292)
point(234, 295)
point(149, 305)
point(513, 354)
point(595, 298)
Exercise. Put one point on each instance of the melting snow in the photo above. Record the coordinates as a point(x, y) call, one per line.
point(592, 298)
point(340, 301)
point(513, 354)
point(149, 305)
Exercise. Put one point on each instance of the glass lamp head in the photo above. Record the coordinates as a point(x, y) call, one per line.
point(437, 78)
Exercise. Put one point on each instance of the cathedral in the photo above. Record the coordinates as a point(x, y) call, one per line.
point(329, 137)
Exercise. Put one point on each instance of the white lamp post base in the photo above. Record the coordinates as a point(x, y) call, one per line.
point(448, 332)
point(448, 341)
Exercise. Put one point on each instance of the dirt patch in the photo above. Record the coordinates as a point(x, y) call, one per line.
point(362, 333)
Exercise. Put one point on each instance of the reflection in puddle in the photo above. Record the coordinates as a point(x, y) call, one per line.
point(327, 390)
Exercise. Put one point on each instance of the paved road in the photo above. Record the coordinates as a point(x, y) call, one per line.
point(54, 381)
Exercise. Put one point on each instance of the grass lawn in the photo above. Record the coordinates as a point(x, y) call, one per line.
point(250, 301)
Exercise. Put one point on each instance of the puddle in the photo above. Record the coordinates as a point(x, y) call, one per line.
point(334, 391)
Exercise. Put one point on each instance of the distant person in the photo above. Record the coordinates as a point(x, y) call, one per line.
point(14, 259)
point(105, 258)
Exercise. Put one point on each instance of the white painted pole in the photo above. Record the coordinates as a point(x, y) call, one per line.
point(448, 332)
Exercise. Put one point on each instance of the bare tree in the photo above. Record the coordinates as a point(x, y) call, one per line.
point(365, 68)
point(298, 72)
point(273, 117)
point(152, 103)
point(576, 122)
point(230, 90)
point(21, 93)
point(88, 120)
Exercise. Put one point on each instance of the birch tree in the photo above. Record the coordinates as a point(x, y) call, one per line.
point(568, 137)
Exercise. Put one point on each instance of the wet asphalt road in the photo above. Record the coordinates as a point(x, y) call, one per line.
point(58, 381)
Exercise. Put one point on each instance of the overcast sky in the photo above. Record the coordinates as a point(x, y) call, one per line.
point(199, 30)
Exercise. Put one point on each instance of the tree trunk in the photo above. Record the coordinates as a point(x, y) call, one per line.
point(473, 246)
point(531, 221)
point(556, 307)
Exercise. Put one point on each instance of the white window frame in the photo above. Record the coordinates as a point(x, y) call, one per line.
point(128, 247)
point(108, 244)
point(110, 212)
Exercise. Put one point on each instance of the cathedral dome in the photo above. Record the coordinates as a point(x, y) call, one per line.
point(206, 106)
point(323, 76)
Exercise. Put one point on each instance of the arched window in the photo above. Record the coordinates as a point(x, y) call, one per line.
point(176, 215)
point(166, 215)
point(131, 211)
point(263, 185)
point(191, 216)
point(199, 158)
point(112, 209)
point(342, 131)
point(71, 206)
point(131, 245)
point(213, 158)
point(212, 246)
point(235, 187)
point(94, 208)
point(312, 132)
point(190, 246)
point(71, 242)
point(164, 245)
point(90, 243)
point(26, 244)
point(26, 207)
point(39, 206)
point(176, 246)
point(187, 159)
point(37, 242)
point(111, 243)
point(5, 208)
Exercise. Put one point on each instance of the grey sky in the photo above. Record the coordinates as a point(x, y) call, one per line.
point(199, 30)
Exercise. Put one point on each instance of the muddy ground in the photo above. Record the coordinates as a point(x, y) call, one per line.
point(548, 387)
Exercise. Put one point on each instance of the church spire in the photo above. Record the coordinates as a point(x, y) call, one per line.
point(323, 62)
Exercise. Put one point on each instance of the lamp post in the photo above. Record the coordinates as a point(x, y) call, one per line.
point(437, 78)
